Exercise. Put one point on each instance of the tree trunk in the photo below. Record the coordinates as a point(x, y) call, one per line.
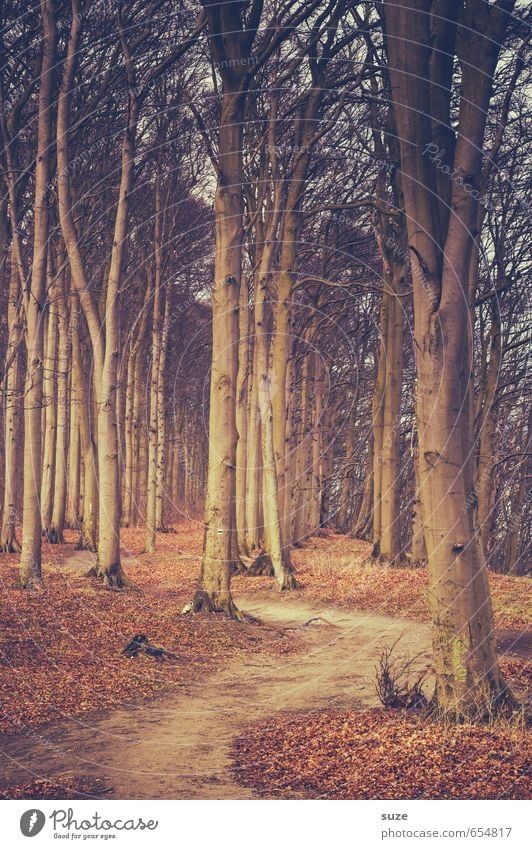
point(151, 509)
point(281, 352)
point(104, 335)
point(487, 429)
point(243, 384)
point(363, 527)
point(390, 539)
point(49, 418)
point(55, 534)
point(8, 538)
point(516, 561)
point(468, 679)
point(278, 553)
point(161, 421)
point(347, 474)
point(88, 529)
point(30, 559)
point(419, 549)
point(127, 490)
point(109, 568)
point(254, 470)
point(218, 553)
point(316, 439)
point(303, 462)
point(176, 473)
point(379, 395)
point(328, 437)
point(283, 339)
point(138, 462)
point(74, 472)
point(142, 478)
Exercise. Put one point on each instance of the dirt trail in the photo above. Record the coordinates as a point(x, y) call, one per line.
point(179, 747)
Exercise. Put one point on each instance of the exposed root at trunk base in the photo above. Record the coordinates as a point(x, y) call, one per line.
point(113, 578)
point(377, 558)
point(398, 562)
point(203, 603)
point(83, 544)
point(362, 531)
point(32, 583)
point(359, 536)
point(415, 562)
point(11, 547)
point(55, 536)
point(261, 566)
point(164, 530)
point(245, 560)
point(289, 582)
point(487, 710)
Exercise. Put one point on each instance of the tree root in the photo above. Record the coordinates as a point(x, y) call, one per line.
point(83, 544)
point(12, 546)
point(261, 566)
point(113, 578)
point(362, 530)
point(501, 705)
point(308, 623)
point(55, 536)
point(140, 644)
point(414, 564)
point(400, 561)
point(289, 581)
point(32, 583)
point(203, 603)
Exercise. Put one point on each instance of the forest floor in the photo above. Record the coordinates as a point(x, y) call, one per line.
point(279, 709)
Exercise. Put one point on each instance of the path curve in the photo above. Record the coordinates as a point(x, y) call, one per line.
point(179, 747)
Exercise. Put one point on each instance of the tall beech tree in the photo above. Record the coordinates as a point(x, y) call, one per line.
point(154, 435)
point(33, 285)
point(9, 543)
point(232, 34)
point(441, 205)
point(231, 42)
point(136, 81)
point(103, 334)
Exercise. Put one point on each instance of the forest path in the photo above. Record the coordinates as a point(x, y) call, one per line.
point(180, 747)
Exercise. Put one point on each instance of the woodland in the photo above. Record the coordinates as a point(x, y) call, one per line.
point(265, 422)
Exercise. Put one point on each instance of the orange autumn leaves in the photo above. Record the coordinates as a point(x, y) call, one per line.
point(334, 569)
point(60, 650)
point(375, 754)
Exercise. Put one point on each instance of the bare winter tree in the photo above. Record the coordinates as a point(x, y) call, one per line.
point(441, 205)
